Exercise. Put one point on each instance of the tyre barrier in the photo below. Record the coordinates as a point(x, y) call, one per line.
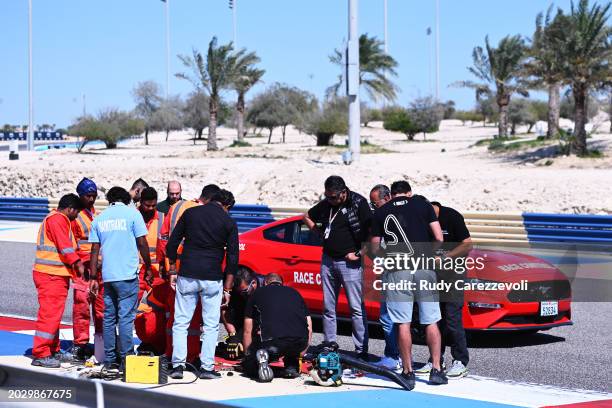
point(506, 228)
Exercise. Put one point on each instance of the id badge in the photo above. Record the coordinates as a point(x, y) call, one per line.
point(327, 231)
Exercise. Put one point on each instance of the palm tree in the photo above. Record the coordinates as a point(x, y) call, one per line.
point(545, 66)
point(375, 67)
point(500, 67)
point(584, 46)
point(212, 75)
point(246, 76)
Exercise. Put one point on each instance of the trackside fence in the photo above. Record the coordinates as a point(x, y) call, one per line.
point(503, 228)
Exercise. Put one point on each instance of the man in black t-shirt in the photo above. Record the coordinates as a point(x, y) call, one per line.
point(276, 324)
point(404, 226)
point(232, 316)
point(343, 220)
point(457, 243)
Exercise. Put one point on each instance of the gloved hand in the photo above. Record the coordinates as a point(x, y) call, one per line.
point(234, 347)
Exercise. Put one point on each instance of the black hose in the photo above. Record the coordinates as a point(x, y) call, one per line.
point(350, 361)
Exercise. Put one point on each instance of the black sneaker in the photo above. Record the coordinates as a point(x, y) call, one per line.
point(437, 377)
point(209, 374)
point(177, 373)
point(291, 372)
point(111, 366)
point(408, 380)
point(264, 372)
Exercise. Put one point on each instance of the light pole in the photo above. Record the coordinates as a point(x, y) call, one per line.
point(385, 33)
point(30, 90)
point(233, 5)
point(352, 79)
point(437, 50)
point(167, 7)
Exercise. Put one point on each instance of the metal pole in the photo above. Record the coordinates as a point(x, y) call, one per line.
point(30, 90)
point(84, 106)
point(235, 23)
point(385, 30)
point(437, 50)
point(167, 48)
point(353, 83)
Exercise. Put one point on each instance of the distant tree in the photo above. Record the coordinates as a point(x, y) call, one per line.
point(328, 121)
point(7, 128)
point(519, 113)
point(448, 109)
point(213, 74)
point(147, 96)
point(486, 107)
point(246, 76)
point(398, 119)
point(500, 71)
point(426, 114)
point(279, 106)
point(169, 116)
point(375, 69)
point(468, 116)
point(196, 114)
point(110, 126)
point(584, 46)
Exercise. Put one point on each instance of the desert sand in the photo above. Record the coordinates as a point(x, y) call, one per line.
point(447, 167)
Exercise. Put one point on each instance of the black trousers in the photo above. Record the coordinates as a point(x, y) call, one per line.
point(287, 347)
point(453, 334)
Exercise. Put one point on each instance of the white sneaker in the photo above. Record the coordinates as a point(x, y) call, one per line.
point(425, 370)
point(457, 370)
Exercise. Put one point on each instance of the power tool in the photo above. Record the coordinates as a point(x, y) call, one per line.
point(145, 369)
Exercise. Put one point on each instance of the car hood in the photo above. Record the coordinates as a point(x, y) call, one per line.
point(504, 266)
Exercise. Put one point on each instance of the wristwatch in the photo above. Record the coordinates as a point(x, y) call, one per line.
point(358, 253)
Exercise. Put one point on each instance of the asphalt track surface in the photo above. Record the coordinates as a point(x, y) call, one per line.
point(576, 357)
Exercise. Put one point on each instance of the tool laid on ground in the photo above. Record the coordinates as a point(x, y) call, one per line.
point(327, 360)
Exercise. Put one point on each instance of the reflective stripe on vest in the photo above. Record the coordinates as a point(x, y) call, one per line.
point(175, 215)
point(153, 233)
point(85, 225)
point(45, 335)
point(48, 259)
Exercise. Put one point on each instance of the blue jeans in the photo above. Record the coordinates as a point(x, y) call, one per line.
point(120, 305)
point(187, 292)
point(390, 332)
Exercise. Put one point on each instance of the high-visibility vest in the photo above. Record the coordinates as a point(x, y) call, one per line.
point(153, 234)
point(177, 210)
point(175, 213)
point(48, 259)
point(83, 223)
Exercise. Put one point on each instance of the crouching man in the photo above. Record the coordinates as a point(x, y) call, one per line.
point(276, 324)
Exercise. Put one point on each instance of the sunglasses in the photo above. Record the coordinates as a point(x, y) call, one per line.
point(333, 197)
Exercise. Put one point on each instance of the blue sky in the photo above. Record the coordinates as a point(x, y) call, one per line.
point(103, 48)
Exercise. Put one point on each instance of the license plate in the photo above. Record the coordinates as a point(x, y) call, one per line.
point(549, 308)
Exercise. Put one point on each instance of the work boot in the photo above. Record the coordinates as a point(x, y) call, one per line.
point(177, 373)
point(264, 372)
point(209, 374)
point(46, 362)
point(437, 377)
point(408, 380)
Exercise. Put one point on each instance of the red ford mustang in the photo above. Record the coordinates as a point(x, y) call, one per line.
point(289, 248)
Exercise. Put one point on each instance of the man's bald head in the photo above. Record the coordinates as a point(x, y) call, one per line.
point(274, 278)
point(174, 191)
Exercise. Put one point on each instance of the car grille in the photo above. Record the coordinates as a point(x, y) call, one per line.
point(534, 319)
point(541, 291)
